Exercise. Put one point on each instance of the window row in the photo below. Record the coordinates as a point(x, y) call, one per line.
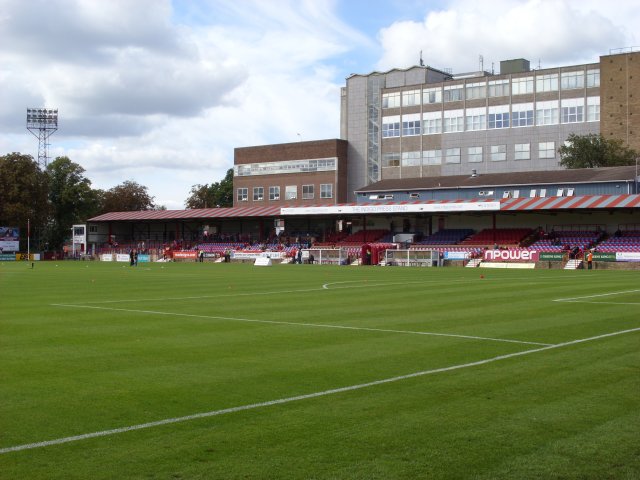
point(495, 153)
point(494, 88)
point(290, 192)
point(553, 112)
point(286, 166)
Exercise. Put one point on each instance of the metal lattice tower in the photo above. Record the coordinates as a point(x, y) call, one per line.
point(42, 122)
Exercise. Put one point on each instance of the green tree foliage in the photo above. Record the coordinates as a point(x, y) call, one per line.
point(71, 198)
point(590, 151)
point(129, 196)
point(218, 194)
point(23, 195)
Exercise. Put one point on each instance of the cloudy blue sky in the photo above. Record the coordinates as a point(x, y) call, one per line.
point(161, 92)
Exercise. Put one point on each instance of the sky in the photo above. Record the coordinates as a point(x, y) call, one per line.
point(161, 91)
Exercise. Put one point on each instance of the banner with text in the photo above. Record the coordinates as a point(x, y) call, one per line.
point(628, 256)
point(515, 255)
point(186, 255)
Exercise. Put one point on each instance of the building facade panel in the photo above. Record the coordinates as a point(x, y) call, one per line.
point(301, 173)
point(620, 100)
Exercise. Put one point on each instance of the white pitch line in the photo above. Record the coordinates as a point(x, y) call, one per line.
point(280, 401)
point(298, 324)
point(575, 299)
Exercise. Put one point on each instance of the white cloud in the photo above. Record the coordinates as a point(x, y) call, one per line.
point(163, 96)
point(552, 32)
point(161, 92)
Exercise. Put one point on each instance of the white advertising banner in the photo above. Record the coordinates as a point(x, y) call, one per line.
point(627, 256)
point(122, 257)
point(456, 255)
point(411, 208)
point(254, 255)
point(106, 257)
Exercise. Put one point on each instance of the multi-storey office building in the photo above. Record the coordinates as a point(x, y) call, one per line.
point(424, 122)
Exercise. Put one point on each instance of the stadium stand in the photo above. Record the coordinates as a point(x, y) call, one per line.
point(450, 236)
point(566, 240)
point(503, 237)
point(621, 241)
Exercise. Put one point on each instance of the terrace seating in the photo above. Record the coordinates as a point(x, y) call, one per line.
point(363, 236)
point(627, 241)
point(500, 236)
point(219, 247)
point(449, 236)
point(559, 241)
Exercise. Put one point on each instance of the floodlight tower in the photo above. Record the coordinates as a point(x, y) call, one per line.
point(42, 122)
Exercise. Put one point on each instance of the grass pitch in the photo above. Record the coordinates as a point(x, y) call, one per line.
point(225, 371)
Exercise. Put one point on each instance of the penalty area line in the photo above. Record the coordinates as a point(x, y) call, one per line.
point(598, 295)
point(280, 401)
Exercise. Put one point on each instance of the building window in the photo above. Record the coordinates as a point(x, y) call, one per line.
point(410, 98)
point(476, 118)
point(432, 123)
point(547, 83)
point(307, 192)
point(498, 153)
point(391, 126)
point(522, 151)
point(522, 115)
point(432, 95)
point(476, 90)
point(499, 88)
point(391, 100)
point(572, 110)
point(498, 117)
point(274, 193)
point(547, 150)
point(474, 154)
point(411, 159)
point(547, 113)
point(453, 93)
point(452, 155)
point(258, 194)
point(290, 192)
point(391, 159)
point(411, 124)
point(432, 157)
point(593, 78)
point(242, 195)
point(453, 121)
point(522, 85)
point(571, 80)
point(326, 190)
point(593, 109)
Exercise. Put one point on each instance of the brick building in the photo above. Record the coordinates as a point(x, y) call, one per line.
point(291, 174)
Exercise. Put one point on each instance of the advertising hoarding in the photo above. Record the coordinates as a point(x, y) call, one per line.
point(9, 239)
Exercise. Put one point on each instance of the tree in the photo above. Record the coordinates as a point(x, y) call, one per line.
point(591, 151)
point(23, 195)
point(129, 196)
point(218, 194)
point(71, 198)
